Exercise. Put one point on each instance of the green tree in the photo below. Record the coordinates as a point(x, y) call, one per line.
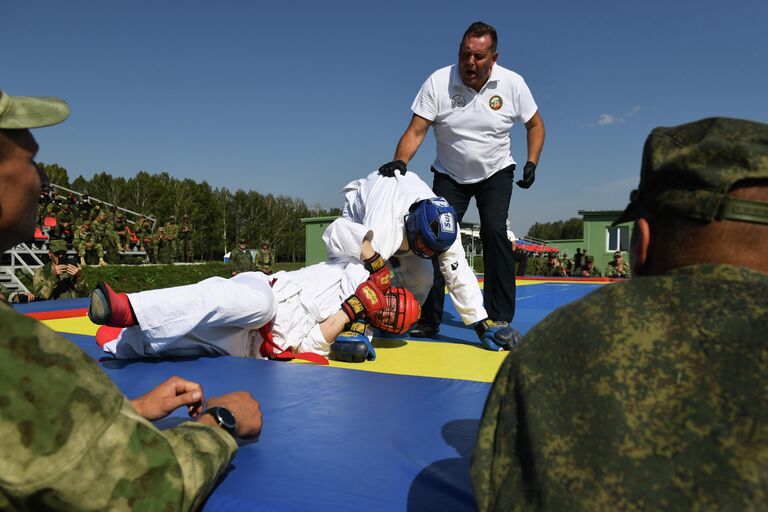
point(558, 230)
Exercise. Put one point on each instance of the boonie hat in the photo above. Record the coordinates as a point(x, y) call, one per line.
point(17, 112)
point(687, 170)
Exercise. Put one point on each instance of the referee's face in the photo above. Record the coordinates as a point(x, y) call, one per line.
point(476, 59)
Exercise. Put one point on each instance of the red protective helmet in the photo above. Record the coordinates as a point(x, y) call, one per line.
point(401, 311)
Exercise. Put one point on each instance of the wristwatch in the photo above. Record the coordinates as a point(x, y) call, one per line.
point(224, 418)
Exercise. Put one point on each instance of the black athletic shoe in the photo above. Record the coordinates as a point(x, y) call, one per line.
point(422, 330)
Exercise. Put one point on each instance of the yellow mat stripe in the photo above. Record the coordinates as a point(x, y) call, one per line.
point(431, 359)
point(399, 357)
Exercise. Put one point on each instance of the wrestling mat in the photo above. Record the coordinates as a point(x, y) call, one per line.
point(392, 434)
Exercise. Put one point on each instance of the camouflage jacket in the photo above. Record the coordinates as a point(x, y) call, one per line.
point(651, 394)
point(264, 260)
point(240, 261)
point(171, 231)
point(613, 270)
point(46, 285)
point(84, 446)
point(593, 272)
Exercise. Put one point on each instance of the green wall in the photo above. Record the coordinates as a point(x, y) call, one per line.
point(596, 224)
point(314, 227)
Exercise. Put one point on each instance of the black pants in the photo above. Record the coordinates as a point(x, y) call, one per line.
point(492, 196)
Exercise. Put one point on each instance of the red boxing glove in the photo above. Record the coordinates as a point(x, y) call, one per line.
point(381, 275)
point(366, 299)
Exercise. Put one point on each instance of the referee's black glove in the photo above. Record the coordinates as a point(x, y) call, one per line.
point(389, 168)
point(529, 175)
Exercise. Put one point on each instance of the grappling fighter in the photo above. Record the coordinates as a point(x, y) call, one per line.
point(411, 226)
point(303, 313)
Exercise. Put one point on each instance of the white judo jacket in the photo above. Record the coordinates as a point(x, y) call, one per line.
point(375, 210)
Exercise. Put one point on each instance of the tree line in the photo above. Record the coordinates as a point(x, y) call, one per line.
point(219, 216)
point(570, 229)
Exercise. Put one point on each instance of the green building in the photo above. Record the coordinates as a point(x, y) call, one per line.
point(600, 239)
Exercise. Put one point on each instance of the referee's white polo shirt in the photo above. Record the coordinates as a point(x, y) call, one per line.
point(471, 128)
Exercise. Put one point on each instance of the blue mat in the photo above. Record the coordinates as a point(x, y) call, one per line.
point(338, 439)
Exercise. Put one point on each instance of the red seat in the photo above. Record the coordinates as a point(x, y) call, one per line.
point(49, 222)
point(39, 234)
point(133, 236)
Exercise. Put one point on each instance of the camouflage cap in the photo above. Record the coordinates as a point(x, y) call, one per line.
point(58, 246)
point(241, 240)
point(687, 170)
point(17, 112)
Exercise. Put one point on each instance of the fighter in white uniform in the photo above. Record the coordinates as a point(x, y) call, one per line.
point(301, 312)
point(403, 212)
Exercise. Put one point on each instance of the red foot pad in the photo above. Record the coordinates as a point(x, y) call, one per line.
point(105, 334)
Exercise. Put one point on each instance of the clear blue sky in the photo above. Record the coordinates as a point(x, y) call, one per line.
point(298, 98)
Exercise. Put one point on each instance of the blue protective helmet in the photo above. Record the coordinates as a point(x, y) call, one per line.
point(430, 227)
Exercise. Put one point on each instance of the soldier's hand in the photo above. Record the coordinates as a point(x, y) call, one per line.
point(59, 269)
point(73, 270)
point(244, 408)
point(169, 396)
point(529, 175)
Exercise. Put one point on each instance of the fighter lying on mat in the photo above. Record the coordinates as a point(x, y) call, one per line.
point(305, 314)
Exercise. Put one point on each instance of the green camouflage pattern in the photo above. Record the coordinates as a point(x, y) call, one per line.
point(613, 269)
point(240, 260)
point(46, 285)
point(172, 236)
point(264, 260)
point(88, 248)
point(185, 241)
point(621, 401)
point(71, 441)
point(689, 169)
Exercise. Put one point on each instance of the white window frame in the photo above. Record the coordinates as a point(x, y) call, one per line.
point(621, 239)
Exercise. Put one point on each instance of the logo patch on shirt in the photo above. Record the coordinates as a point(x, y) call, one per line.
point(458, 101)
point(495, 102)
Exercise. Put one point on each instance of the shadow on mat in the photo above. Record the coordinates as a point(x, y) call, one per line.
point(117, 364)
point(444, 484)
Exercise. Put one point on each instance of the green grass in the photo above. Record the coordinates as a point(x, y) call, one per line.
point(138, 278)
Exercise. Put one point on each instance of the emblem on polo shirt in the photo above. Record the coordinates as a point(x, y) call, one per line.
point(458, 101)
point(495, 102)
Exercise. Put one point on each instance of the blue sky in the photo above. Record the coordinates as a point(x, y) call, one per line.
point(298, 98)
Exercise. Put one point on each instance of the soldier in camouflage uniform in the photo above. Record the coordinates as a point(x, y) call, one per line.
point(59, 278)
point(240, 259)
point(651, 394)
point(104, 232)
point(264, 259)
point(163, 247)
point(64, 230)
point(146, 238)
point(588, 268)
point(70, 440)
point(89, 251)
point(185, 240)
point(172, 236)
point(617, 267)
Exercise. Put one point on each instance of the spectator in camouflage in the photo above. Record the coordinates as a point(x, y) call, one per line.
point(617, 267)
point(651, 394)
point(264, 259)
point(70, 440)
point(240, 259)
